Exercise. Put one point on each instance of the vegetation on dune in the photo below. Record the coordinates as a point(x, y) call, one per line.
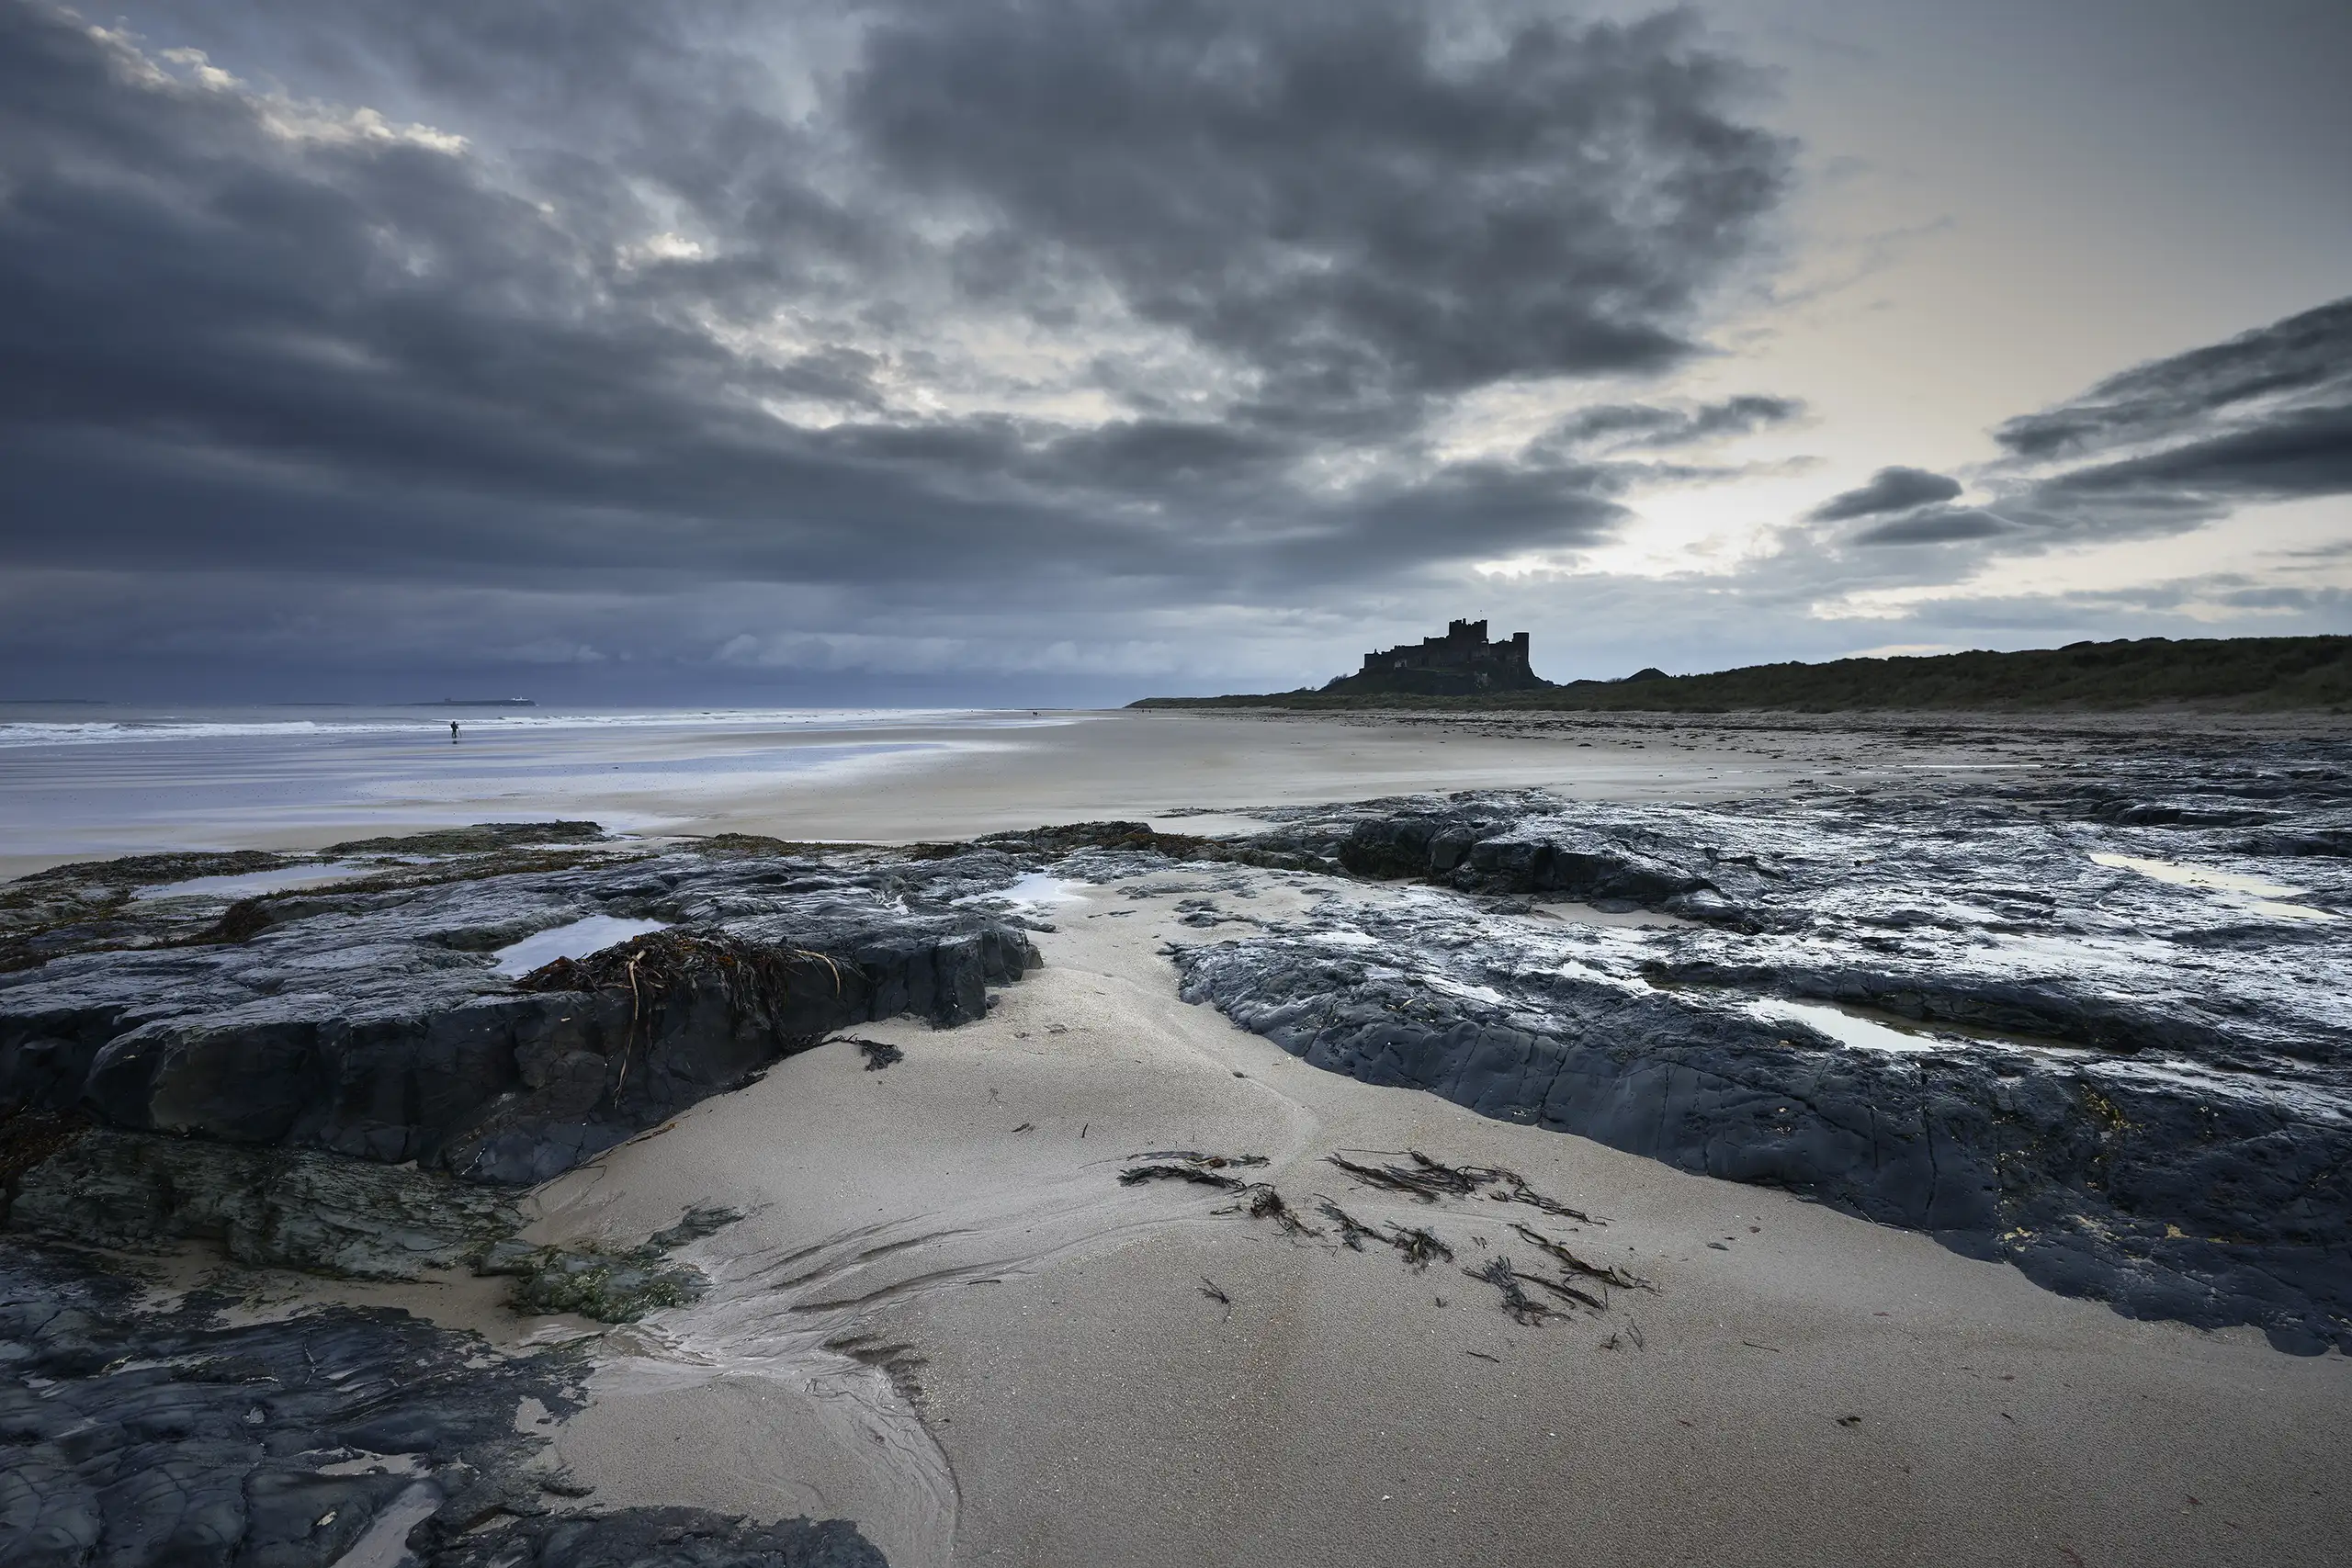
point(2249, 673)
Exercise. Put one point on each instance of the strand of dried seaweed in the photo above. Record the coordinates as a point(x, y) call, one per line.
point(878, 1054)
point(1195, 1157)
point(1260, 1201)
point(1395, 1178)
point(1136, 1175)
point(1563, 1289)
point(1427, 1180)
point(1607, 1274)
point(1499, 1273)
point(1418, 1245)
point(1353, 1231)
point(1520, 1192)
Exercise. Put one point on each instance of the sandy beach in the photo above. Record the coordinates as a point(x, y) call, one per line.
point(945, 1319)
point(1795, 1386)
point(259, 781)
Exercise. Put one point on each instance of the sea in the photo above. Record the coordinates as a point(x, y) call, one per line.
point(80, 780)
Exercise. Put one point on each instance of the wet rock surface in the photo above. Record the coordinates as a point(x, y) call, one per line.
point(370, 1020)
point(344, 1080)
point(296, 1209)
point(140, 1432)
point(2095, 1020)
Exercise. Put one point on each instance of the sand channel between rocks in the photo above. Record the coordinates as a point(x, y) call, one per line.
point(945, 1320)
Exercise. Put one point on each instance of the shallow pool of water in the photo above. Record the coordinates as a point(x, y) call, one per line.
point(1846, 1029)
point(2263, 896)
point(248, 883)
point(1035, 891)
point(577, 940)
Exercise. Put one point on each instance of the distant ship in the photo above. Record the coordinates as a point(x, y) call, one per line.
point(479, 703)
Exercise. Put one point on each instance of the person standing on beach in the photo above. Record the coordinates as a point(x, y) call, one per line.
point(453, 732)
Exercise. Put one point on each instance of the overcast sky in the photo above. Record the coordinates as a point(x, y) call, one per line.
point(1037, 351)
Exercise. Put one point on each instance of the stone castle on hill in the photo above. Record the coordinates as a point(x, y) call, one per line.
point(1460, 663)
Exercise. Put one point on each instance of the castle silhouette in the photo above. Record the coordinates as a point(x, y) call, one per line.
point(1458, 664)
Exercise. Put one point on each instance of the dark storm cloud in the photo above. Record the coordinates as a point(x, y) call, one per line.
point(2158, 449)
point(1637, 426)
point(1934, 526)
point(2289, 453)
point(1889, 490)
point(2306, 356)
point(1324, 189)
point(1162, 294)
point(2265, 416)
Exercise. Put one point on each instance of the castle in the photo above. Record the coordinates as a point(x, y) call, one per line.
point(1457, 664)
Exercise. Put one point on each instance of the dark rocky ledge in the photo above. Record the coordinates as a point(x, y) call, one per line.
point(339, 1080)
point(369, 1021)
point(144, 1433)
point(1930, 1007)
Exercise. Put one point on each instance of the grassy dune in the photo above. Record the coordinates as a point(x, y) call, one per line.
point(2245, 673)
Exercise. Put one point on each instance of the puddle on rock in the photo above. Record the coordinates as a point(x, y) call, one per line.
point(1849, 1029)
point(248, 883)
point(577, 940)
point(1035, 892)
point(2263, 894)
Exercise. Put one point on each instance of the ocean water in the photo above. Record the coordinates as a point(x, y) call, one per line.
point(79, 781)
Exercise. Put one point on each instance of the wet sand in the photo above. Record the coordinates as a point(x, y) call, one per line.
point(1799, 1387)
point(904, 778)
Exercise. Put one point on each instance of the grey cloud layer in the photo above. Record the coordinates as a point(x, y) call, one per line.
point(2264, 416)
point(1161, 294)
point(1646, 426)
point(702, 333)
point(1890, 489)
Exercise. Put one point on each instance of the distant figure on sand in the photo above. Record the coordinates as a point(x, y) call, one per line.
point(453, 732)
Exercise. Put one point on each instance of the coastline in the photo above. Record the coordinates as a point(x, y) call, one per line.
point(942, 1317)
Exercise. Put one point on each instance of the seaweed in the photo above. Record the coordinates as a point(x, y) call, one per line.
point(1351, 1230)
point(879, 1054)
point(28, 1136)
point(1567, 1291)
point(595, 1281)
point(1193, 1157)
point(1260, 1201)
point(608, 1283)
point(1608, 1274)
point(1418, 1245)
point(1499, 1273)
point(1427, 1180)
point(759, 846)
point(1136, 1175)
point(1395, 1179)
point(1518, 1192)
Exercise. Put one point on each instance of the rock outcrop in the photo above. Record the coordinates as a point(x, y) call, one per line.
point(371, 1021)
point(2005, 1015)
point(145, 1437)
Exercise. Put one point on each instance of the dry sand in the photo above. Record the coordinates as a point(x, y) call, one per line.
point(897, 778)
point(1820, 1390)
